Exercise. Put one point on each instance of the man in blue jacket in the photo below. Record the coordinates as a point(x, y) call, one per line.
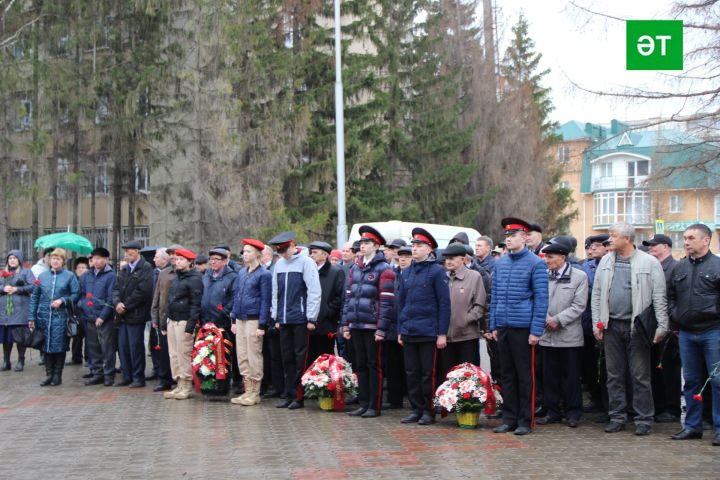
point(295, 308)
point(97, 313)
point(518, 308)
point(423, 321)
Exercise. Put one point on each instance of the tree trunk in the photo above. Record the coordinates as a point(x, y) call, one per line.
point(35, 154)
point(132, 178)
point(489, 33)
point(75, 151)
point(117, 179)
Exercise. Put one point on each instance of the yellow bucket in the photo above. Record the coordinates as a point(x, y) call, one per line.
point(326, 403)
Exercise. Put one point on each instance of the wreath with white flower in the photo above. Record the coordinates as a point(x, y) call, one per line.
point(326, 375)
point(210, 351)
point(468, 388)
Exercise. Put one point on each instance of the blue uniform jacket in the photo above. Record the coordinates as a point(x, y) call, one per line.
point(423, 300)
point(99, 286)
point(253, 291)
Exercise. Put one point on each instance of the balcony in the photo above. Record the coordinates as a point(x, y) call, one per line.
point(619, 182)
point(632, 207)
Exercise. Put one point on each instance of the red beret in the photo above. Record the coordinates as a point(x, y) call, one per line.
point(254, 243)
point(182, 252)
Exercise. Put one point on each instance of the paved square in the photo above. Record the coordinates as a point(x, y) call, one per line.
point(73, 431)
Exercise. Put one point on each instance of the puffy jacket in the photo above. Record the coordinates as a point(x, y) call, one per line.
point(423, 300)
point(22, 279)
point(135, 290)
point(568, 298)
point(252, 295)
point(217, 298)
point(694, 294)
point(295, 290)
point(370, 296)
point(99, 286)
point(52, 322)
point(184, 299)
point(519, 293)
point(332, 281)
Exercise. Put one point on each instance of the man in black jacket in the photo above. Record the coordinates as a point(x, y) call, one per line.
point(132, 297)
point(332, 279)
point(665, 376)
point(694, 301)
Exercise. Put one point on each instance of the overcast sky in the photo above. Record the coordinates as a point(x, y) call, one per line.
point(589, 53)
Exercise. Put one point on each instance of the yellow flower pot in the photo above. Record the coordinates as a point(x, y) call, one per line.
point(326, 403)
point(468, 419)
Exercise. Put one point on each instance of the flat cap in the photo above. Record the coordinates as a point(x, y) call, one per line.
point(560, 248)
point(355, 246)
point(282, 239)
point(602, 238)
point(223, 246)
point(318, 245)
point(397, 243)
point(405, 250)
point(455, 250)
point(100, 252)
point(173, 247)
point(201, 260)
point(534, 227)
point(219, 251)
point(132, 245)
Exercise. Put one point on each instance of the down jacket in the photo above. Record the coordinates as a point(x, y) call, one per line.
point(217, 297)
point(519, 293)
point(185, 297)
point(295, 290)
point(423, 300)
point(22, 279)
point(370, 296)
point(252, 295)
point(52, 322)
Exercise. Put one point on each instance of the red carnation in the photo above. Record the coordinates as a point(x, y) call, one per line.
point(331, 335)
point(6, 274)
point(331, 386)
point(36, 282)
point(157, 347)
point(659, 366)
point(440, 392)
point(468, 374)
point(600, 325)
point(454, 385)
point(219, 307)
point(90, 303)
point(698, 397)
point(466, 396)
point(88, 295)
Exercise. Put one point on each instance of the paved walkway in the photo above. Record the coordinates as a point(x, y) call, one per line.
point(73, 432)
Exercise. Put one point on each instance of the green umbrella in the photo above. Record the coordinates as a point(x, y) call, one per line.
point(67, 240)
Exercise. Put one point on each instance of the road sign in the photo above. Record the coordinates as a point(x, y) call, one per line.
point(659, 226)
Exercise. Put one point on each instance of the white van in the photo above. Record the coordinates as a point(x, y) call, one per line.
point(397, 229)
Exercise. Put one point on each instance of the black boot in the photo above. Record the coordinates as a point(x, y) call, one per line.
point(7, 349)
point(57, 371)
point(49, 369)
point(20, 365)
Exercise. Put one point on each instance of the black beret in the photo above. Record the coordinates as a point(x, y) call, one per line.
point(100, 252)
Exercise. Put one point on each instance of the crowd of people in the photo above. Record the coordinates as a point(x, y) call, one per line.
point(620, 323)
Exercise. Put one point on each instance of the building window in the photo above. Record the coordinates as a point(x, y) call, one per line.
point(637, 172)
point(563, 154)
point(612, 207)
point(142, 234)
point(62, 188)
point(677, 239)
point(606, 169)
point(563, 184)
point(98, 237)
point(20, 239)
point(22, 176)
point(676, 204)
point(717, 210)
point(23, 114)
point(142, 180)
point(100, 180)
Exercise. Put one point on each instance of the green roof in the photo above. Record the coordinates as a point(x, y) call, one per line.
point(671, 148)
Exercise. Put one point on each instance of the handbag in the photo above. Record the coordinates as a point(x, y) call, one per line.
point(29, 338)
point(73, 324)
point(646, 324)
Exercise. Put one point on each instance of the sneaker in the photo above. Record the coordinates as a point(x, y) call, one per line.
point(643, 429)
